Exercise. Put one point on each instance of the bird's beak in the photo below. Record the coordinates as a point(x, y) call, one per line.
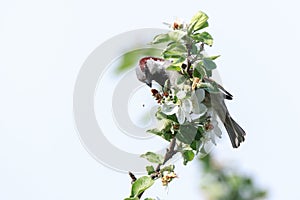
point(149, 84)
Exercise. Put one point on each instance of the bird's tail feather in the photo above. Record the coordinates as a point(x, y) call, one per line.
point(235, 132)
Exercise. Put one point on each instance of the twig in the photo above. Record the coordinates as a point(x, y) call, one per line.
point(169, 154)
point(132, 176)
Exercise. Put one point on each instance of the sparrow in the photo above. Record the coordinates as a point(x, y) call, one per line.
point(155, 69)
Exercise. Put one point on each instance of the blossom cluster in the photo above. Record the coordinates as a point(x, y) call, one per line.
point(191, 117)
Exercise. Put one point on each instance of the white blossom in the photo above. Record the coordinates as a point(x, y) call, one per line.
point(187, 107)
point(213, 133)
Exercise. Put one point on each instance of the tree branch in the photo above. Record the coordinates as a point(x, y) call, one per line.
point(171, 151)
point(169, 154)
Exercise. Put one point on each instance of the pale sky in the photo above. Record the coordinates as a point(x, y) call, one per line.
point(43, 45)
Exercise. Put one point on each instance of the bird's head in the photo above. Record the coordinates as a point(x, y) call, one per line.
point(148, 69)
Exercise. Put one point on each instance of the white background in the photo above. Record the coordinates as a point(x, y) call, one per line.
point(44, 43)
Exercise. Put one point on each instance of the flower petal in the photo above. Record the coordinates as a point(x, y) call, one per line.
point(213, 138)
point(169, 109)
point(196, 99)
point(217, 131)
point(202, 109)
point(188, 117)
point(199, 94)
point(180, 116)
point(194, 116)
point(181, 94)
point(187, 105)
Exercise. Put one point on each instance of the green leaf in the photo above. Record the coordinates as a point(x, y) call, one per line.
point(150, 169)
point(149, 199)
point(132, 198)
point(169, 168)
point(162, 38)
point(194, 49)
point(174, 68)
point(260, 194)
point(209, 73)
point(200, 132)
point(186, 133)
point(178, 61)
point(207, 38)
point(131, 58)
point(168, 135)
point(176, 46)
point(209, 64)
point(210, 87)
point(160, 116)
point(199, 21)
point(196, 144)
point(214, 57)
point(153, 157)
point(165, 132)
point(199, 71)
point(174, 54)
point(140, 185)
point(176, 35)
point(155, 131)
point(204, 37)
point(188, 155)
